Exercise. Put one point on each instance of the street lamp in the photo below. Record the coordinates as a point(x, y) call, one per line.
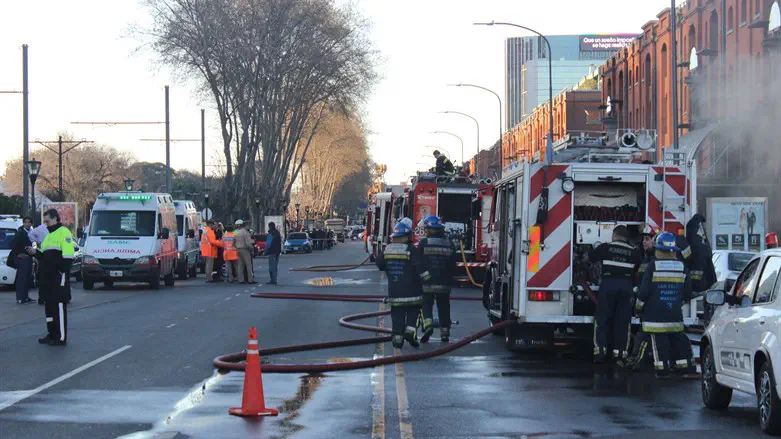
point(550, 67)
point(129, 184)
point(477, 157)
point(206, 198)
point(460, 84)
point(33, 169)
point(298, 215)
point(457, 137)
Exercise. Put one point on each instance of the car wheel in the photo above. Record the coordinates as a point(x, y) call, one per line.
point(714, 395)
point(193, 271)
point(767, 401)
point(169, 279)
point(183, 271)
point(88, 283)
point(154, 283)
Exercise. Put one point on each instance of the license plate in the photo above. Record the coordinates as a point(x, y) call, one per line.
point(115, 273)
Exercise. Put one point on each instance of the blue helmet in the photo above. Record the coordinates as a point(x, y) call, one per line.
point(433, 222)
point(401, 229)
point(665, 241)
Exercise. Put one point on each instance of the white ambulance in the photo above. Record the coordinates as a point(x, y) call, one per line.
point(132, 238)
point(188, 245)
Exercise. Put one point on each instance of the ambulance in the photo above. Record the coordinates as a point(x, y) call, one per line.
point(188, 245)
point(132, 238)
point(380, 223)
point(544, 219)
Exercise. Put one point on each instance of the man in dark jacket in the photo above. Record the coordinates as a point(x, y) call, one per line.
point(55, 257)
point(22, 261)
point(439, 261)
point(273, 250)
point(702, 271)
point(664, 288)
point(401, 262)
point(443, 166)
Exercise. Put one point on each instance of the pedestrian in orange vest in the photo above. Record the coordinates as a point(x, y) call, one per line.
point(209, 246)
point(230, 253)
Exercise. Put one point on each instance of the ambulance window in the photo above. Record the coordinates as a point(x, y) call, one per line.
point(159, 223)
point(181, 221)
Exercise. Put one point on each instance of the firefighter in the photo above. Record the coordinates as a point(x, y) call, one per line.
point(439, 261)
point(444, 166)
point(684, 252)
point(701, 269)
point(401, 262)
point(664, 288)
point(614, 304)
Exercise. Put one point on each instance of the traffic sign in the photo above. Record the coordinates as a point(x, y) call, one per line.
point(206, 214)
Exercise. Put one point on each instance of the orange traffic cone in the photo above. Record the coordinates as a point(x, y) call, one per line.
point(252, 400)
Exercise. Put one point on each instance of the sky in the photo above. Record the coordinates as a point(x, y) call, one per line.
point(84, 66)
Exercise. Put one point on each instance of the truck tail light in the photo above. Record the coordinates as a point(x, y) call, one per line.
point(544, 296)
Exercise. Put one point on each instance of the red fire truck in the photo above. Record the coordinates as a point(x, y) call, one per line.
point(379, 223)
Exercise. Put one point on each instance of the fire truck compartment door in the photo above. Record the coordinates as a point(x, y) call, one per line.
point(612, 177)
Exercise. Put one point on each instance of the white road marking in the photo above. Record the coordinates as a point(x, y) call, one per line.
point(171, 325)
point(238, 294)
point(405, 427)
point(24, 395)
point(228, 298)
point(378, 396)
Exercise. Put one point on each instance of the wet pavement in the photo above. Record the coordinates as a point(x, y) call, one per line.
point(138, 365)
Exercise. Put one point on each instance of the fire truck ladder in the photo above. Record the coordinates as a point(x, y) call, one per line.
point(673, 158)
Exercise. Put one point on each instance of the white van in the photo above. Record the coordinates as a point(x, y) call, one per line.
point(131, 238)
point(187, 241)
point(8, 227)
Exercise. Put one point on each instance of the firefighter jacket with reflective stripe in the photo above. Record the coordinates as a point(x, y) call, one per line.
point(229, 250)
point(55, 256)
point(402, 265)
point(684, 252)
point(702, 272)
point(664, 288)
point(619, 259)
point(439, 264)
point(648, 257)
point(209, 243)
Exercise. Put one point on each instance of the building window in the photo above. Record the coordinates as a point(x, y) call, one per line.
point(743, 12)
point(664, 62)
point(713, 43)
point(637, 74)
point(731, 19)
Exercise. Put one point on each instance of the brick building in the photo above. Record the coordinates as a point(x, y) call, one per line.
point(490, 162)
point(728, 91)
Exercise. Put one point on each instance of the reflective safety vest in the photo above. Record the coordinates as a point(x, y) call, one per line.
point(209, 243)
point(229, 250)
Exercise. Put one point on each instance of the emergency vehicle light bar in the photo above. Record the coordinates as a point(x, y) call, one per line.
point(127, 197)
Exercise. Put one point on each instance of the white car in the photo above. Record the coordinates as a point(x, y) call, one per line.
point(8, 228)
point(740, 348)
point(729, 264)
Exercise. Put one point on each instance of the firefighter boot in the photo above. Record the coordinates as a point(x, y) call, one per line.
point(428, 330)
point(398, 341)
point(411, 335)
point(444, 335)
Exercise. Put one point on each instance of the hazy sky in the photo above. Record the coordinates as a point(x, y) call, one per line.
point(84, 68)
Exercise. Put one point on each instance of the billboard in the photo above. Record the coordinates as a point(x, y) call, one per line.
point(603, 43)
point(737, 223)
point(69, 214)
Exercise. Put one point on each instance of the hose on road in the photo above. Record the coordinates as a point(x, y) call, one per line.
point(235, 361)
point(330, 268)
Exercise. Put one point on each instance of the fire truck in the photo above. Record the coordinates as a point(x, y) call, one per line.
point(464, 206)
point(379, 223)
point(545, 218)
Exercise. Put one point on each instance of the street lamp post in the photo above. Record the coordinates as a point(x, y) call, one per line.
point(298, 216)
point(33, 168)
point(129, 184)
point(457, 137)
point(550, 67)
point(306, 217)
point(497, 98)
point(477, 157)
point(257, 212)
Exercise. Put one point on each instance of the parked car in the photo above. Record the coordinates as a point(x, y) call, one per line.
point(355, 234)
point(298, 242)
point(728, 265)
point(739, 348)
point(8, 229)
point(260, 243)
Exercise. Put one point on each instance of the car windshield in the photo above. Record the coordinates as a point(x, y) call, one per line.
point(297, 236)
point(738, 261)
point(6, 235)
point(122, 223)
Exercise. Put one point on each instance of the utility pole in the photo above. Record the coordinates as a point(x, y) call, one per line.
point(25, 131)
point(674, 74)
point(60, 153)
point(167, 144)
point(203, 149)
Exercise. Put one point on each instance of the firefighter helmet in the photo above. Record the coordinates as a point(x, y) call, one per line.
point(433, 222)
point(401, 229)
point(665, 242)
point(406, 221)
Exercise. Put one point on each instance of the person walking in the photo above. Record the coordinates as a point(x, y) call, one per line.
point(273, 250)
point(55, 257)
point(245, 246)
point(439, 259)
point(230, 253)
point(663, 291)
point(612, 323)
point(22, 261)
point(401, 262)
point(209, 245)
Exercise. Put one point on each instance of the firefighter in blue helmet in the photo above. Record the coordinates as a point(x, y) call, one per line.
point(401, 262)
point(613, 319)
point(664, 288)
point(439, 262)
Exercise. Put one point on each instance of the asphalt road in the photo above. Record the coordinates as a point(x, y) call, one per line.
point(139, 365)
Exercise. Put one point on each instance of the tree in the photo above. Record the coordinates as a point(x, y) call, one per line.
point(11, 204)
point(273, 67)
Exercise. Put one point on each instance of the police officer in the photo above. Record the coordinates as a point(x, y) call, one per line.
point(664, 288)
point(614, 304)
point(402, 263)
point(439, 263)
point(701, 269)
point(55, 257)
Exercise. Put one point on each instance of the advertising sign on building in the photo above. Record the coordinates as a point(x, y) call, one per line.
point(737, 223)
point(605, 43)
point(69, 214)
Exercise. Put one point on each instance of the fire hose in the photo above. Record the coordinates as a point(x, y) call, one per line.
point(330, 268)
point(466, 266)
point(235, 361)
